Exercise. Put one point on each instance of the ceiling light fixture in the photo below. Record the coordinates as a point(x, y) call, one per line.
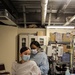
point(61, 27)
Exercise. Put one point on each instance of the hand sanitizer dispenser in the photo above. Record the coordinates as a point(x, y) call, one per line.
point(67, 71)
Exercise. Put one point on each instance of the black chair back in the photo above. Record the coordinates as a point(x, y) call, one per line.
point(2, 67)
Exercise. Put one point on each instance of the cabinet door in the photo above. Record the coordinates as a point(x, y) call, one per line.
point(23, 41)
point(42, 40)
point(32, 38)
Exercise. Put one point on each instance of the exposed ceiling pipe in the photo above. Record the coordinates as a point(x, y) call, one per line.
point(68, 22)
point(44, 10)
point(24, 15)
point(50, 14)
point(63, 6)
point(49, 21)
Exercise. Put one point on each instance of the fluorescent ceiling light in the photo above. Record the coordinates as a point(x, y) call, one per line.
point(60, 27)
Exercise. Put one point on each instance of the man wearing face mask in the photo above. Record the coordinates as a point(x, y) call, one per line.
point(39, 56)
point(25, 66)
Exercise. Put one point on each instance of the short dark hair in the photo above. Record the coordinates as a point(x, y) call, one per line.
point(35, 43)
point(23, 49)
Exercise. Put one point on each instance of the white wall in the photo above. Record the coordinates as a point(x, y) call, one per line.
point(8, 45)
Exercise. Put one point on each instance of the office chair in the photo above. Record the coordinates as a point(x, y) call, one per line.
point(2, 70)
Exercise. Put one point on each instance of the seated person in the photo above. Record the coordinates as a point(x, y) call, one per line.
point(25, 66)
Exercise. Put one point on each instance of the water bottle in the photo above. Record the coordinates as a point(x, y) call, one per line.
point(67, 71)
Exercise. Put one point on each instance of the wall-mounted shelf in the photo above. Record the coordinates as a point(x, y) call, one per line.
point(51, 42)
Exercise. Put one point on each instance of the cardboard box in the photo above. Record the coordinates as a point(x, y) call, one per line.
point(40, 33)
point(65, 48)
point(52, 37)
point(67, 37)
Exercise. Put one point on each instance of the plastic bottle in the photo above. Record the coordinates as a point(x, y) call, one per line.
point(67, 71)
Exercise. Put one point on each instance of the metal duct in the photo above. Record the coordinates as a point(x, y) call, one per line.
point(44, 10)
point(7, 18)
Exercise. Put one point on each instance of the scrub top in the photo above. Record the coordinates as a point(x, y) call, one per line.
point(42, 61)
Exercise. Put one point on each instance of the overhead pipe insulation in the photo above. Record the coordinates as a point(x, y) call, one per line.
point(44, 10)
point(68, 22)
point(49, 20)
point(24, 15)
point(50, 14)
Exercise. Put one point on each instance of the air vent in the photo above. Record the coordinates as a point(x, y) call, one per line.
point(7, 18)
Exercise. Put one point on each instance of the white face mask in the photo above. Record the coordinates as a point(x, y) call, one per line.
point(26, 57)
point(34, 51)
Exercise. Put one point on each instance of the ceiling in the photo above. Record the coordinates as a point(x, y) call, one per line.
point(40, 13)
